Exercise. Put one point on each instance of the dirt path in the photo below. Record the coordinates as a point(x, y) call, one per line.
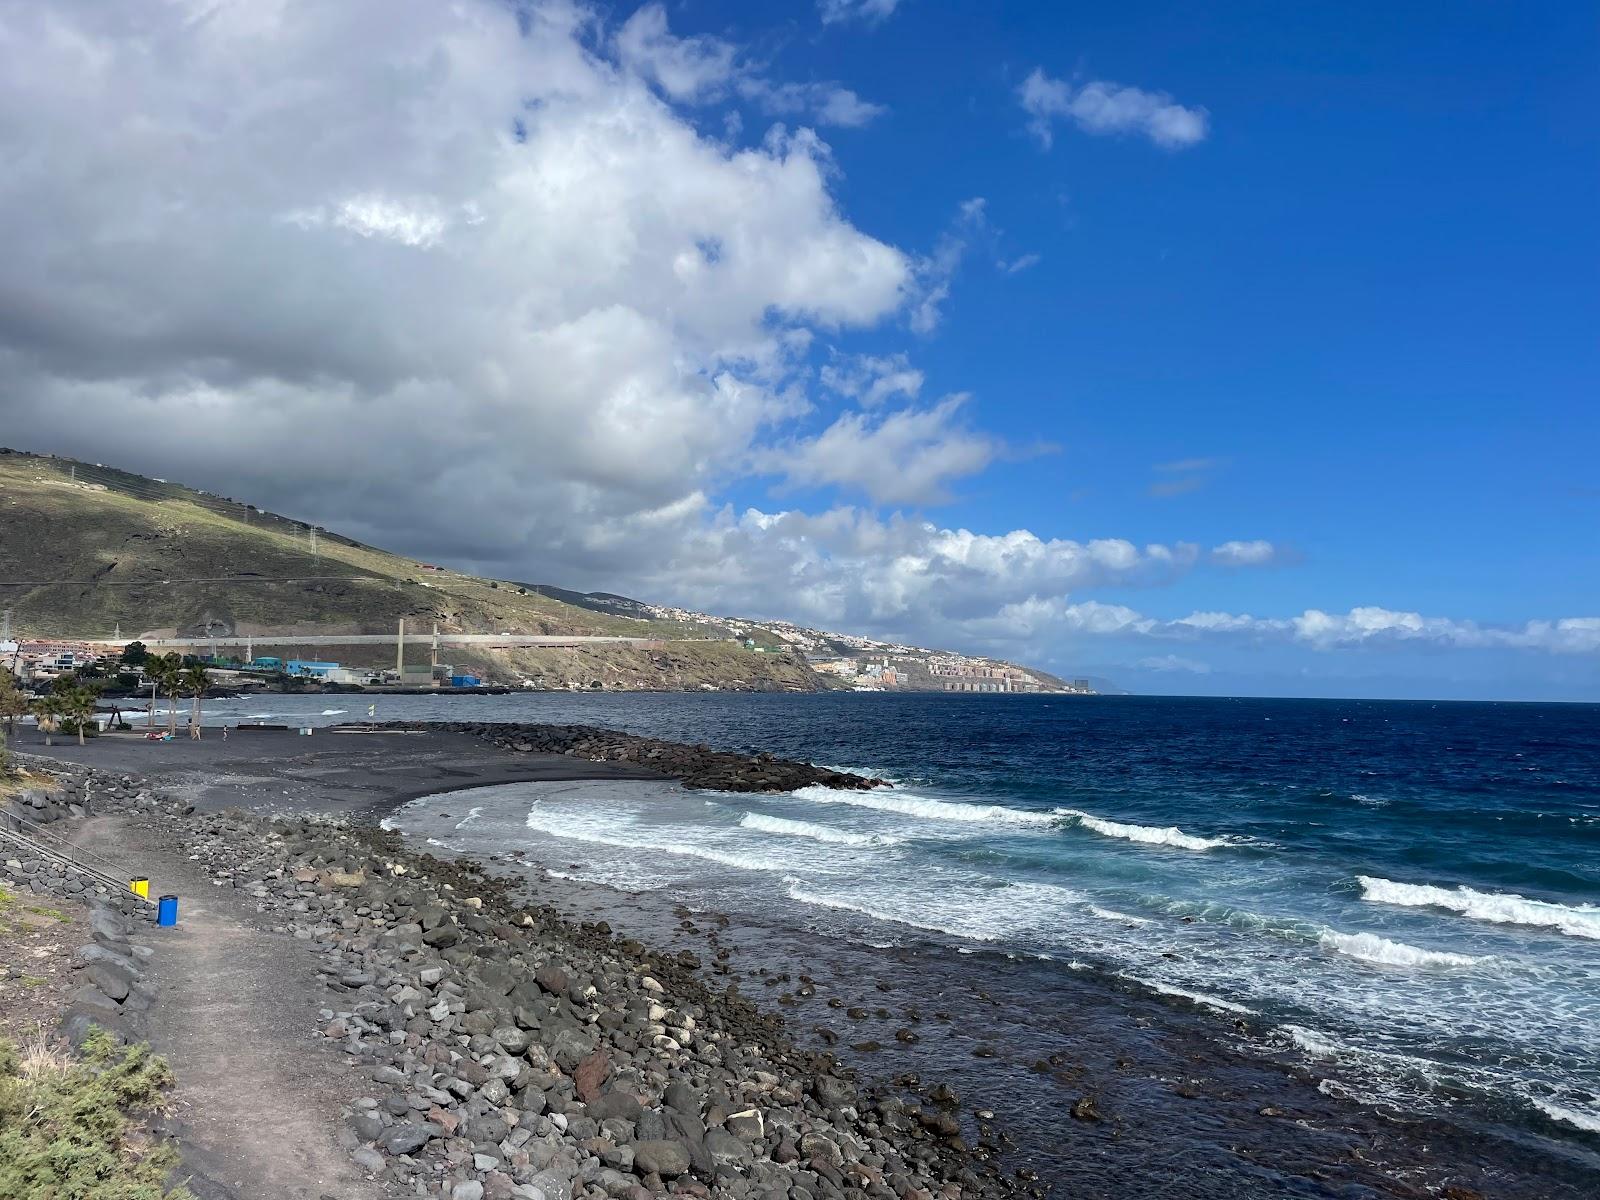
point(237, 1007)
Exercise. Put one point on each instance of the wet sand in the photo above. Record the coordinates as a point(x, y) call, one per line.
point(349, 774)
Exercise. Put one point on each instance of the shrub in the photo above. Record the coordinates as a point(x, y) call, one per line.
point(67, 1129)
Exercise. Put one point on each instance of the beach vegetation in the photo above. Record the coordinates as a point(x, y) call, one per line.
point(70, 1127)
point(195, 682)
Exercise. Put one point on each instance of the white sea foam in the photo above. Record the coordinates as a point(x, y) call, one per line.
point(387, 824)
point(1111, 914)
point(1506, 908)
point(762, 823)
point(1369, 947)
point(615, 831)
point(472, 815)
point(1167, 989)
point(1370, 801)
point(912, 805)
point(334, 712)
point(1311, 1041)
point(1588, 1121)
point(1170, 835)
point(985, 915)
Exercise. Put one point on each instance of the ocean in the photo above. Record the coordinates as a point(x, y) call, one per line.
point(1403, 897)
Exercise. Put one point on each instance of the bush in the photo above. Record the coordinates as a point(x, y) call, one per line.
point(66, 1128)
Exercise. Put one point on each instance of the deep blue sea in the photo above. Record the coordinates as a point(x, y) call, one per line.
point(1407, 891)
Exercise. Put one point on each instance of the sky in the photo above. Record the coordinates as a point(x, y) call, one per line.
point(1238, 349)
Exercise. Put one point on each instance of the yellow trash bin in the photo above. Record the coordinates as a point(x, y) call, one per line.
point(140, 888)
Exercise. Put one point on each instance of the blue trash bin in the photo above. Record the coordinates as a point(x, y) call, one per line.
point(167, 911)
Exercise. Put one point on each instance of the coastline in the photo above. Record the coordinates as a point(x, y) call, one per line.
point(1122, 1049)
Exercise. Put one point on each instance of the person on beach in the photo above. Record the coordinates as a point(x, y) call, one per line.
point(224, 733)
point(194, 730)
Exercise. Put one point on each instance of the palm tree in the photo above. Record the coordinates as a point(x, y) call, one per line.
point(78, 704)
point(195, 682)
point(166, 673)
point(47, 710)
point(13, 703)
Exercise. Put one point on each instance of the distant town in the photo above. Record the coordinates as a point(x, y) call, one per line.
point(869, 665)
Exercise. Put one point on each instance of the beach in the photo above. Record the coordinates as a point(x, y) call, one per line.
point(1169, 1081)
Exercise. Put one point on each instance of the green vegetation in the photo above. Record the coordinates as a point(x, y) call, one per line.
point(86, 550)
point(148, 556)
point(67, 1128)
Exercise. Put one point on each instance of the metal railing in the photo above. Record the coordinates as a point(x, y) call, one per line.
point(61, 853)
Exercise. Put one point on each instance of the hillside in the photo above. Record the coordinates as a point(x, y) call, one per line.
point(147, 557)
point(89, 551)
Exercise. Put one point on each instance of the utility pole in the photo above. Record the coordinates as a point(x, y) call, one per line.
point(313, 541)
point(434, 672)
point(400, 651)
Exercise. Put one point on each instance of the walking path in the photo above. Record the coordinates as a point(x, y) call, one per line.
point(235, 1015)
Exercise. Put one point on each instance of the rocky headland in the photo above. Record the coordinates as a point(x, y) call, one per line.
point(696, 766)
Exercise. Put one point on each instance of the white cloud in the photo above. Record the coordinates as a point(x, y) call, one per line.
point(1366, 625)
point(834, 12)
point(1100, 107)
point(937, 271)
point(450, 282)
point(872, 379)
point(704, 69)
point(1019, 264)
point(1243, 554)
point(909, 456)
point(899, 576)
point(685, 68)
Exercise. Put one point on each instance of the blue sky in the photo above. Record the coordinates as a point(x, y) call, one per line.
point(1242, 348)
point(1368, 298)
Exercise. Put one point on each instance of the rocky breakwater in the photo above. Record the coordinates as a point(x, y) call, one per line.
point(696, 766)
point(112, 991)
point(514, 1054)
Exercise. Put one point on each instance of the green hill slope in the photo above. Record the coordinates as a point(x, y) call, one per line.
point(86, 551)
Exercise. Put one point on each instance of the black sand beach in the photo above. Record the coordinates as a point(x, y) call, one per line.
point(1105, 1092)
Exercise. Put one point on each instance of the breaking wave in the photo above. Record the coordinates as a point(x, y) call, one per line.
point(1505, 908)
point(911, 805)
point(1111, 914)
point(1588, 1121)
point(1202, 998)
point(1170, 835)
point(1003, 912)
point(563, 825)
point(1369, 947)
point(817, 833)
point(1311, 1041)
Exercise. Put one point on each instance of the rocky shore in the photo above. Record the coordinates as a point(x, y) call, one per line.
point(512, 1053)
point(696, 766)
